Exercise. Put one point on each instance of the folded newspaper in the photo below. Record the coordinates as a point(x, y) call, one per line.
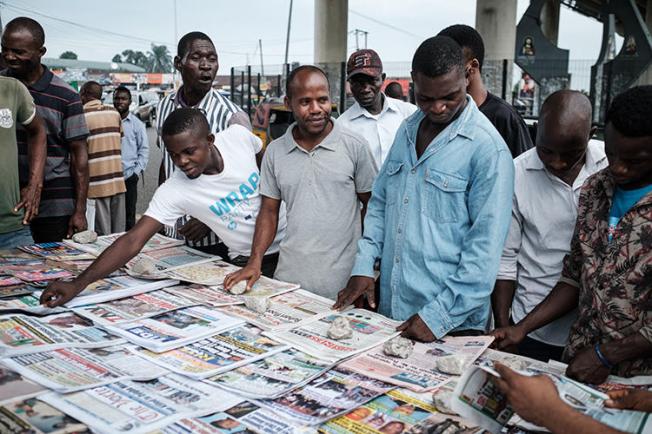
point(22, 334)
point(157, 242)
point(206, 295)
point(70, 370)
point(27, 303)
point(273, 376)
point(57, 250)
point(219, 353)
point(168, 259)
point(369, 330)
point(33, 416)
point(174, 329)
point(14, 386)
point(142, 407)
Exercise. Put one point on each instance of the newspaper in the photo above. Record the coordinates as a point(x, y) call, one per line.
point(394, 412)
point(157, 242)
point(172, 258)
point(174, 329)
point(14, 386)
point(27, 303)
point(444, 423)
point(334, 393)
point(16, 290)
point(369, 330)
point(57, 250)
point(9, 281)
point(70, 370)
point(36, 273)
point(206, 295)
point(16, 257)
point(142, 407)
point(216, 423)
point(113, 288)
point(132, 308)
point(22, 334)
point(216, 354)
point(33, 416)
point(418, 371)
point(273, 376)
point(213, 274)
point(285, 311)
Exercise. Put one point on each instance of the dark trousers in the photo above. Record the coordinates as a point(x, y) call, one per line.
point(539, 350)
point(268, 267)
point(49, 229)
point(131, 197)
point(218, 249)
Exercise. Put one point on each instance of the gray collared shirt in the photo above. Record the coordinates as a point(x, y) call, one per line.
point(320, 190)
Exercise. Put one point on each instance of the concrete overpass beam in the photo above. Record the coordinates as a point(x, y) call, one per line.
point(331, 34)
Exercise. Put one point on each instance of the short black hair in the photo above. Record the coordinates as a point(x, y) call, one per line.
point(467, 37)
point(629, 112)
point(92, 88)
point(437, 56)
point(122, 89)
point(184, 119)
point(32, 26)
point(187, 40)
point(296, 71)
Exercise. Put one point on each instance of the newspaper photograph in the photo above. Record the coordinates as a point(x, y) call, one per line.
point(33, 416)
point(272, 376)
point(174, 329)
point(216, 354)
point(17, 257)
point(206, 295)
point(9, 281)
point(131, 308)
point(16, 290)
point(142, 407)
point(36, 273)
point(175, 257)
point(418, 372)
point(157, 242)
point(285, 311)
point(56, 250)
point(263, 421)
point(444, 423)
point(27, 303)
point(22, 334)
point(369, 330)
point(14, 386)
point(336, 392)
point(216, 423)
point(394, 412)
point(70, 370)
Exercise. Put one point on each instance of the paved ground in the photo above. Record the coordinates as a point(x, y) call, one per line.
point(146, 192)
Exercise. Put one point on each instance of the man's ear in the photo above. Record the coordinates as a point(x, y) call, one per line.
point(286, 101)
point(210, 138)
point(177, 63)
point(383, 76)
point(42, 51)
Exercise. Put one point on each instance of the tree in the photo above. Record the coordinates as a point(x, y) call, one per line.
point(137, 58)
point(68, 55)
point(160, 59)
point(117, 58)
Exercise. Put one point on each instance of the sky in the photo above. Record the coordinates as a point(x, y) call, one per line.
point(97, 30)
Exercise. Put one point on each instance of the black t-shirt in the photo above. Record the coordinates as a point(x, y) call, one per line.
point(509, 124)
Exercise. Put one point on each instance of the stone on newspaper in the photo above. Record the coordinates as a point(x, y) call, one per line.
point(398, 347)
point(257, 304)
point(442, 400)
point(239, 288)
point(340, 329)
point(85, 237)
point(143, 267)
point(453, 364)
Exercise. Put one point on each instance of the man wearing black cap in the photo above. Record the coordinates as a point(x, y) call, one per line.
point(374, 116)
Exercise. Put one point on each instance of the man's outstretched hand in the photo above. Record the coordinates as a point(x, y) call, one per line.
point(58, 293)
point(355, 292)
point(414, 328)
point(250, 273)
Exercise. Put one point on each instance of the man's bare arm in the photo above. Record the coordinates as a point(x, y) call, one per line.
point(79, 171)
point(30, 195)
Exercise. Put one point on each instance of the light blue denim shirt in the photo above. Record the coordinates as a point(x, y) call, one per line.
point(135, 146)
point(438, 223)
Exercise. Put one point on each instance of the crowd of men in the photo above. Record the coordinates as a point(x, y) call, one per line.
point(444, 215)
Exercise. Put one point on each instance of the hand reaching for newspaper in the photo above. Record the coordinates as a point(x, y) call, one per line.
point(534, 398)
point(415, 328)
point(507, 338)
point(250, 273)
point(58, 293)
point(587, 368)
point(630, 399)
point(356, 290)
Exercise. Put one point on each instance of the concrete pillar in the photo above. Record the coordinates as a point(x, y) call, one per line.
point(495, 20)
point(331, 34)
point(550, 20)
point(646, 77)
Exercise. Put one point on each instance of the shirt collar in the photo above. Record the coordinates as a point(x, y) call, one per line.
point(593, 161)
point(463, 126)
point(329, 142)
point(389, 104)
point(42, 84)
point(178, 99)
point(93, 104)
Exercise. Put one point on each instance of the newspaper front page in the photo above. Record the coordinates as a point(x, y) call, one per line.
point(157, 242)
point(369, 330)
point(33, 416)
point(206, 295)
point(418, 371)
point(285, 311)
point(174, 329)
point(273, 376)
point(216, 354)
point(27, 303)
point(133, 308)
point(70, 370)
point(22, 334)
point(13, 386)
point(141, 407)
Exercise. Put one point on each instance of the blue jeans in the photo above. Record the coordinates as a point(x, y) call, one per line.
point(21, 237)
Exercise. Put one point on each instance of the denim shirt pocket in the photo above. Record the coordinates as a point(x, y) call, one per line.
point(444, 196)
point(392, 170)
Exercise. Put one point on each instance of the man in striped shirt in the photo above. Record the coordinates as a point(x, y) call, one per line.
point(106, 183)
point(197, 62)
point(62, 210)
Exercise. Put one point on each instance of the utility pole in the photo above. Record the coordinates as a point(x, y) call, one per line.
point(262, 67)
point(358, 32)
point(287, 38)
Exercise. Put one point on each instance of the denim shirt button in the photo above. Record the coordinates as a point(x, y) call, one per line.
point(405, 200)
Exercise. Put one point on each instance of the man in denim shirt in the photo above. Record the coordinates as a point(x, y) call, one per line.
point(440, 208)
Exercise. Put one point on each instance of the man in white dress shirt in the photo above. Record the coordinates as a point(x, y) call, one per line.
point(373, 116)
point(547, 184)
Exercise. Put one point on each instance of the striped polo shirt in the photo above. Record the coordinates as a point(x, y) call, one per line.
point(59, 105)
point(218, 111)
point(104, 158)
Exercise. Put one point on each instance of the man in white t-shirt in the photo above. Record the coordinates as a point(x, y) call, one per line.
point(217, 183)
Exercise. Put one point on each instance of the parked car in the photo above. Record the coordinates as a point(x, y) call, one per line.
point(143, 105)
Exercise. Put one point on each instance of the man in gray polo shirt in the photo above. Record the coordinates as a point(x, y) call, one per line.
point(322, 172)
